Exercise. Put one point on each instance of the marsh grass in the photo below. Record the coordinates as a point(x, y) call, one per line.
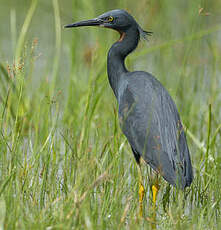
point(64, 163)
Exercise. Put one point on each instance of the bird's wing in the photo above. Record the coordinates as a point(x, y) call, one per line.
point(150, 121)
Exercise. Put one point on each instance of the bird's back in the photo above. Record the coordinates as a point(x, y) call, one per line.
point(151, 123)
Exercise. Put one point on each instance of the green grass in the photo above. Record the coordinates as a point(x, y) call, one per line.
point(64, 162)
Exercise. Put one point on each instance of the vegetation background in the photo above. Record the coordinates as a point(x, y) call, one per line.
point(64, 163)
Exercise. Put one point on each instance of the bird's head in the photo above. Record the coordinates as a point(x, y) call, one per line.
point(119, 20)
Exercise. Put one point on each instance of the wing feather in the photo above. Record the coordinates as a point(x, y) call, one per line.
point(151, 123)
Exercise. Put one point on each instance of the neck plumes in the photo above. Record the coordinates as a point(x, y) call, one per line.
point(117, 54)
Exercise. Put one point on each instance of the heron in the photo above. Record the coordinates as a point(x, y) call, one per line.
point(147, 114)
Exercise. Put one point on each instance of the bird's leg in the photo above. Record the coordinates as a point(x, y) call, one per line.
point(141, 191)
point(155, 188)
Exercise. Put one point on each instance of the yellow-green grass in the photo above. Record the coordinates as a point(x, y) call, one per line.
point(64, 162)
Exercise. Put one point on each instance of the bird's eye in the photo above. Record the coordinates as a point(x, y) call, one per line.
point(110, 19)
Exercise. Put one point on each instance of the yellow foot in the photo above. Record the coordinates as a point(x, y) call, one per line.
point(155, 189)
point(141, 196)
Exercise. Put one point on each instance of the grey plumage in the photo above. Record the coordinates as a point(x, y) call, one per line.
point(151, 123)
point(148, 116)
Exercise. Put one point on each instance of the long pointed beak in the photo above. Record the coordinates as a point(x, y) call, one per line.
point(91, 22)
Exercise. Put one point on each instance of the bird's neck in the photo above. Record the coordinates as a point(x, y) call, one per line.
point(116, 57)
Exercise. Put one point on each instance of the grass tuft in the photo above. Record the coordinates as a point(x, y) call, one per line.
point(64, 163)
